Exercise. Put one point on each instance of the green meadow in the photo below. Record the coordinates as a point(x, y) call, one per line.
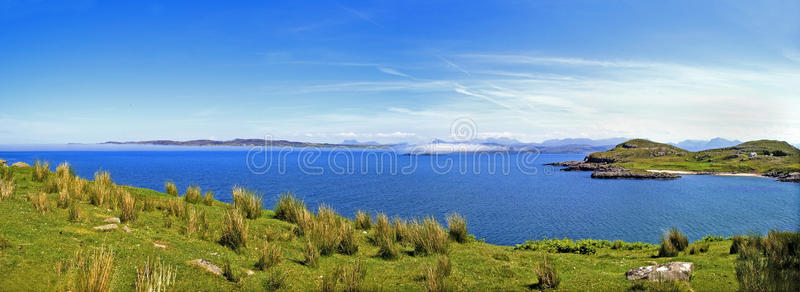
point(48, 243)
point(761, 156)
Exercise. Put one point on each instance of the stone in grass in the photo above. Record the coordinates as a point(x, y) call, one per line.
point(208, 266)
point(107, 227)
point(675, 271)
point(158, 245)
point(111, 220)
point(126, 228)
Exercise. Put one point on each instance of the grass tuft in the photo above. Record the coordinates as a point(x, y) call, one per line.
point(94, 270)
point(171, 189)
point(458, 228)
point(673, 243)
point(270, 256)
point(769, 263)
point(384, 237)
point(6, 189)
point(428, 237)
point(698, 248)
point(208, 198)
point(737, 241)
point(349, 276)
point(103, 177)
point(41, 170)
point(234, 230)
point(154, 276)
point(128, 206)
point(63, 201)
point(276, 279)
point(547, 275)
point(75, 214)
point(327, 230)
point(400, 227)
point(40, 202)
point(362, 220)
point(290, 209)
point(193, 194)
point(247, 202)
point(436, 277)
point(310, 254)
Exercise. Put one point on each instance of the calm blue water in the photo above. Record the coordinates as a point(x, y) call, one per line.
point(504, 208)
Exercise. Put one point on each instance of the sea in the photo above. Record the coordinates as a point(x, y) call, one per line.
point(507, 198)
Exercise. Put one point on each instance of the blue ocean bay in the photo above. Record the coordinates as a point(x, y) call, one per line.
point(506, 199)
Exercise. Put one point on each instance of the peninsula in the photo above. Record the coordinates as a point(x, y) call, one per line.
point(644, 159)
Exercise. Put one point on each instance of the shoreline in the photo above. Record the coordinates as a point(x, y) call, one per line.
point(686, 172)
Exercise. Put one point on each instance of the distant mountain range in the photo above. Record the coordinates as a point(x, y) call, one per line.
point(568, 145)
point(240, 142)
point(697, 145)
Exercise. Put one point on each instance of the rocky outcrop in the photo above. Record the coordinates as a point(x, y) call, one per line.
point(208, 266)
point(618, 172)
point(108, 227)
point(675, 271)
point(608, 171)
point(785, 177)
point(20, 164)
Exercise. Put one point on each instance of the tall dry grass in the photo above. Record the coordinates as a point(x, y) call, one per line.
point(41, 170)
point(428, 237)
point(170, 188)
point(346, 278)
point(6, 189)
point(400, 227)
point(247, 202)
point(672, 243)
point(770, 263)
point(547, 275)
point(78, 188)
point(362, 220)
point(193, 194)
point(384, 237)
point(40, 202)
point(270, 256)
point(436, 276)
point(208, 198)
point(457, 226)
point(75, 214)
point(128, 206)
point(289, 208)
point(234, 230)
point(102, 189)
point(94, 270)
point(155, 276)
point(310, 254)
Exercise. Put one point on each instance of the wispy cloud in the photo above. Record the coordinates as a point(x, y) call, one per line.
point(661, 100)
point(394, 72)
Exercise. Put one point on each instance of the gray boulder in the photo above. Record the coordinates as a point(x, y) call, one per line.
point(208, 266)
point(108, 227)
point(675, 271)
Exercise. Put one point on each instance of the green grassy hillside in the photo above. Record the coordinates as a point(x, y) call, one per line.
point(762, 156)
point(40, 236)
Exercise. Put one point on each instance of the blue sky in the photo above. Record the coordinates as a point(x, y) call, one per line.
point(93, 71)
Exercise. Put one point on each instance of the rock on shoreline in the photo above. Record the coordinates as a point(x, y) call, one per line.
point(605, 171)
point(613, 173)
